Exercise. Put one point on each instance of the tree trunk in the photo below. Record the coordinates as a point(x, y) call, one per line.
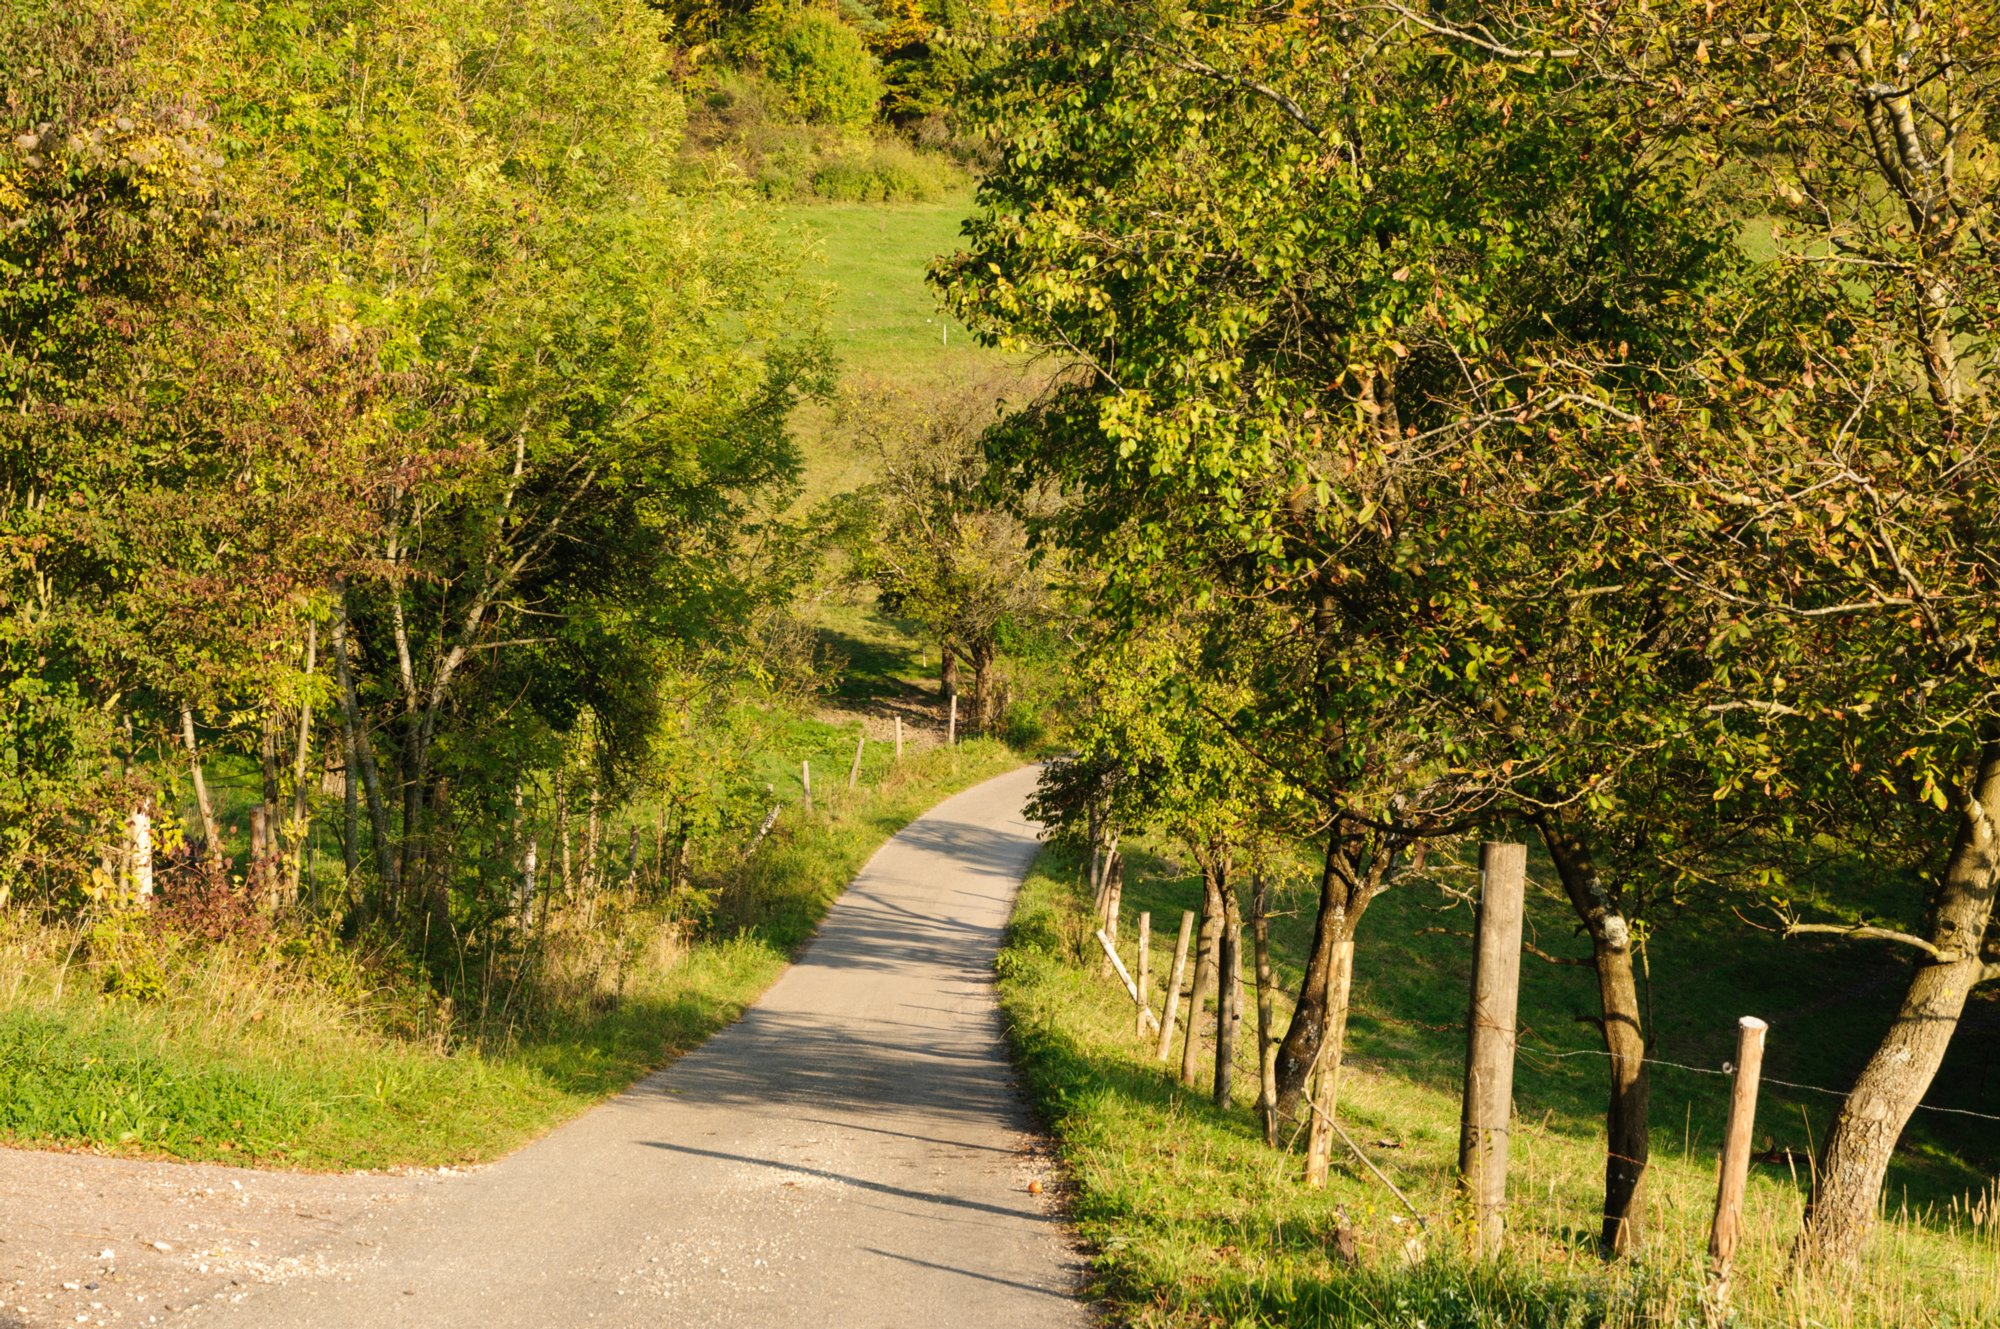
point(435, 884)
point(947, 672)
point(1208, 938)
point(563, 880)
point(1626, 1117)
point(1267, 1065)
point(1229, 998)
point(301, 756)
point(982, 687)
point(1855, 1157)
point(350, 797)
point(412, 767)
point(1332, 928)
point(211, 833)
point(267, 758)
point(371, 778)
point(1332, 1056)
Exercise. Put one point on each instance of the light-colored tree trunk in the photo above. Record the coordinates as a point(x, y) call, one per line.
point(1854, 1158)
point(1332, 1053)
point(211, 832)
point(1208, 942)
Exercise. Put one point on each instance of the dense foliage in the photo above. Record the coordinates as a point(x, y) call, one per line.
point(1569, 419)
point(413, 431)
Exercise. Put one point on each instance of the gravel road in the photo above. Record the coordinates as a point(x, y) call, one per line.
point(853, 1152)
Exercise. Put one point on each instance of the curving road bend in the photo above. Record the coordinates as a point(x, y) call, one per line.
point(853, 1152)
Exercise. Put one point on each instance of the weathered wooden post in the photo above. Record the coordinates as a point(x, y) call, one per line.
point(1125, 977)
point(1114, 892)
point(806, 780)
point(1490, 1035)
point(1174, 976)
point(854, 771)
point(1145, 971)
point(1728, 1226)
point(951, 725)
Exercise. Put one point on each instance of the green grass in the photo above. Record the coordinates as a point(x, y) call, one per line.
point(1195, 1222)
point(885, 322)
point(883, 658)
point(295, 1053)
point(883, 318)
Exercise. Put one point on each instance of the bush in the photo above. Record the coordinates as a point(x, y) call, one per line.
point(887, 171)
point(826, 75)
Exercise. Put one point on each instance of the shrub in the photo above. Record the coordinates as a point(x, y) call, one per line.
point(887, 171)
point(824, 72)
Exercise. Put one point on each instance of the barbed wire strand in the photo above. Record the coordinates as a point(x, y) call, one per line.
point(1532, 1053)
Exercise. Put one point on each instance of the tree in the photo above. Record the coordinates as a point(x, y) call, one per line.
point(940, 547)
point(1827, 457)
point(599, 372)
point(188, 448)
point(1346, 312)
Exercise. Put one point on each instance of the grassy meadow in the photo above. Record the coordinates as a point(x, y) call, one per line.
point(1193, 1221)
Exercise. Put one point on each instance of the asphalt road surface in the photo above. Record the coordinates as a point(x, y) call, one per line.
point(853, 1152)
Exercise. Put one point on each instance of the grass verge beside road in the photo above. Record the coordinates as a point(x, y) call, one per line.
point(1194, 1222)
point(295, 1051)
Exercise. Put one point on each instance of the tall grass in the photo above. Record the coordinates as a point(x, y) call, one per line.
point(289, 1048)
point(1194, 1221)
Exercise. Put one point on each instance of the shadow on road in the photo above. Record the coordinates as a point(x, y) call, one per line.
point(859, 1183)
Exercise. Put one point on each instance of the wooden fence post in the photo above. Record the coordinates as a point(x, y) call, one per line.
point(1131, 988)
point(1112, 895)
point(854, 771)
point(1490, 1035)
point(1145, 971)
point(806, 779)
point(1728, 1226)
point(1174, 977)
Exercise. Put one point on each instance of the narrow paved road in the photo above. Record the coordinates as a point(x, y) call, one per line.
point(853, 1152)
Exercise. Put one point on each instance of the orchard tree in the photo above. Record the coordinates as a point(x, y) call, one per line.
point(1350, 317)
point(1829, 458)
point(939, 545)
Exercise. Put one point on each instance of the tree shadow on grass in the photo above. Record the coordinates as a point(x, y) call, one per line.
point(872, 670)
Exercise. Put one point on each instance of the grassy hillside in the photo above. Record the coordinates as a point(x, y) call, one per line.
point(890, 335)
point(1195, 1222)
point(883, 318)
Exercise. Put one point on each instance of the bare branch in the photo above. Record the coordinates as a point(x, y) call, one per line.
point(1870, 933)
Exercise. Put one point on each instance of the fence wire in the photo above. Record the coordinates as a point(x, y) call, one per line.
point(1728, 1070)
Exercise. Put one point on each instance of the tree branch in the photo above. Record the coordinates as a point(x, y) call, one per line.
point(1867, 932)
